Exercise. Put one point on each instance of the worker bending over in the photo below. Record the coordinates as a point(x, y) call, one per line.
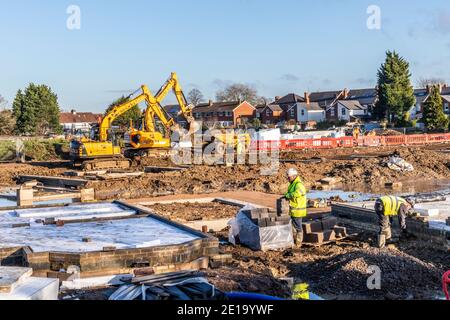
point(386, 208)
point(296, 195)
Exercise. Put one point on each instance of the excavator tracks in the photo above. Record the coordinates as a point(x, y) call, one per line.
point(102, 164)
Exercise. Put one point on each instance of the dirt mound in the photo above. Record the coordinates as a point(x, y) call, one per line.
point(195, 211)
point(348, 272)
point(9, 171)
point(342, 270)
point(239, 280)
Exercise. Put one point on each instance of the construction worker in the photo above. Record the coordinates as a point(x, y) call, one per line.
point(386, 208)
point(296, 195)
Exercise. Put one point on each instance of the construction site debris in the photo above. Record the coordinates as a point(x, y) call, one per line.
point(185, 285)
point(398, 164)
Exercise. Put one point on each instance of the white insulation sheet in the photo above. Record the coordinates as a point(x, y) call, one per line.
point(122, 234)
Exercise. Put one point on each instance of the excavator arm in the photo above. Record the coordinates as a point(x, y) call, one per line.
point(118, 110)
point(155, 108)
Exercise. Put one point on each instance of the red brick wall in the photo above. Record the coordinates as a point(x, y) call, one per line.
point(244, 110)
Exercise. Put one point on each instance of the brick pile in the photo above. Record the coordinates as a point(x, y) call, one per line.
point(265, 217)
point(323, 230)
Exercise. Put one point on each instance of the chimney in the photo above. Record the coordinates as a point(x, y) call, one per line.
point(74, 112)
point(307, 100)
point(277, 98)
point(210, 103)
point(428, 88)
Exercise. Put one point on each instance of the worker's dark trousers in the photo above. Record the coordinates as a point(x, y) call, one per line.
point(386, 221)
point(297, 224)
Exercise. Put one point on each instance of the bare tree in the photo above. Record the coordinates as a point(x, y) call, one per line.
point(238, 91)
point(3, 102)
point(7, 122)
point(423, 82)
point(195, 96)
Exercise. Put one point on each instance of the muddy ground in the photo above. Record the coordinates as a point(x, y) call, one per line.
point(360, 168)
point(195, 211)
point(337, 271)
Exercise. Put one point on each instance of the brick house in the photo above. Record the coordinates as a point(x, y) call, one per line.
point(422, 95)
point(271, 114)
point(224, 114)
point(347, 110)
point(287, 103)
point(74, 122)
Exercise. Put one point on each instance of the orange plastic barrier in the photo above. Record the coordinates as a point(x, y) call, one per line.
point(348, 142)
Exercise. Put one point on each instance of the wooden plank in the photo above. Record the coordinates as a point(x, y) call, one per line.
point(60, 196)
point(54, 181)
point(155, 169)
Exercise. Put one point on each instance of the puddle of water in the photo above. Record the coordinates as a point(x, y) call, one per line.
point(357, 193)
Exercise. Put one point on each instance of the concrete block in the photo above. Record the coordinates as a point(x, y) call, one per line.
point(328, 223)
point(428, 212)
point(11, 277)
point(394, 185)
point(24, 197)
point(320, 237)
point(311, 227)
point(220, 260)
point(282, 206)
point(256, 213)
point(340, 232)
point(87, 195)
point(34, 289)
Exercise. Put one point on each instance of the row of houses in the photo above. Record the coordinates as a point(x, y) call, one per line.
point(305, 110)
point(308, 109)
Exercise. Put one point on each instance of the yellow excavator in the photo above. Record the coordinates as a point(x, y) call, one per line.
point(102, 150)
point(148, 140)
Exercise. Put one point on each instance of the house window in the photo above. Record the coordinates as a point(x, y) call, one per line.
point(303, 112)
point(446, 106)
point(292, 113)
point(268, 113)
point(229, 114)
point(343, 111)
point(332, 112)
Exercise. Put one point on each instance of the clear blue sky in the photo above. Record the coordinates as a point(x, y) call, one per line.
point(277, 46)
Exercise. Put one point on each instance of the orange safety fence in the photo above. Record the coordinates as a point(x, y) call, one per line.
point(348, 142)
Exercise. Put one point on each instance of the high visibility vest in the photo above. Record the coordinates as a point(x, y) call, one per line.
point(297, 199)
point(392, 205)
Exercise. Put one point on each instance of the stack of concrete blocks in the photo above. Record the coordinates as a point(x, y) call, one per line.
point(263, 217)
point(323, 230)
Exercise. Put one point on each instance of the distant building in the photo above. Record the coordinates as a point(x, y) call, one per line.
point(347, 110)
point(422, 95)
point(75, 122)
point(271, 114)
point(288, 104)
point(224, 114)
